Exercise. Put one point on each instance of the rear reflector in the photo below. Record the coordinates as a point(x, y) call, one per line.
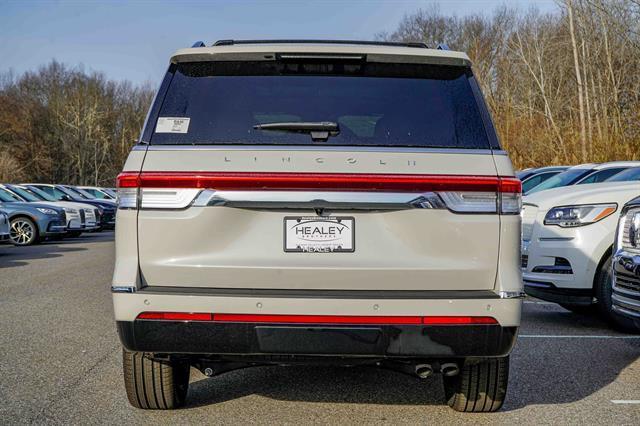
point(317, 319)
point(238, 181)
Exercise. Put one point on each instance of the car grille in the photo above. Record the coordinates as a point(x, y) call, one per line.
point(626, 293)
point(524, 261)
point(89, 215)
point(529, 214)
point(82, 217)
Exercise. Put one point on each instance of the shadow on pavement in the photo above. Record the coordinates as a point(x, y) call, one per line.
point(351, 385)
point(11, 256)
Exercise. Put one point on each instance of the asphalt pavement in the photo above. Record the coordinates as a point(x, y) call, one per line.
point(60, 363)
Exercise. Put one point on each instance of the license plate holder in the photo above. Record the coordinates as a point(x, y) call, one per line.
point(319, 234)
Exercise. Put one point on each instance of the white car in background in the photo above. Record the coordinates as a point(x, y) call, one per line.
point(583, 174)
point(567, 239)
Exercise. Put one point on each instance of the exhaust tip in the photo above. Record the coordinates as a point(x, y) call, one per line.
point(424, 370)
point(450, 369)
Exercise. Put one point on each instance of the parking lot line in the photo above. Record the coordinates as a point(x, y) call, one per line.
point(626, 401)
point(574, 336)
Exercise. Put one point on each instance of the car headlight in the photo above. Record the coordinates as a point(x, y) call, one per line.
point(46, 211)
point(579, 215)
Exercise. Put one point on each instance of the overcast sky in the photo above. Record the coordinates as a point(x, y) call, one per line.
point(134, 40)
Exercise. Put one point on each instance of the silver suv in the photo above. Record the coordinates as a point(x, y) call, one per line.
point(313, 202)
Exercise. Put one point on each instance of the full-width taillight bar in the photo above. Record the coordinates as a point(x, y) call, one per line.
point(317, 319)
point(238, 181)
point(460, 193)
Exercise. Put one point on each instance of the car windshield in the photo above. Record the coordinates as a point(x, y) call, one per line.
point(39, 193)
point(84, 193)
point(9, 197)
point(111, 192)
point(373, 104)
point(626, 176)
point(24, 194)
point(70, 192)
point(568, 177)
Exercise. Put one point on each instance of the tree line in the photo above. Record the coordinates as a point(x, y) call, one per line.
point(563, 88)
point(64, 125)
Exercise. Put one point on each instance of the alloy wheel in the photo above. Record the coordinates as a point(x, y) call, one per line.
point(22, 232)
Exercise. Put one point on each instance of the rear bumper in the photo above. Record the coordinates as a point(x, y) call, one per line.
point(549, 292)
point(358, 341)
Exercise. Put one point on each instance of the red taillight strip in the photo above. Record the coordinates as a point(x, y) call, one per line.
point(458, 320)
point(317, 319)
point(318, 181)
point(176, 316)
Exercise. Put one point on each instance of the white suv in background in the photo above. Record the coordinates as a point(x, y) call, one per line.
point(567, 239)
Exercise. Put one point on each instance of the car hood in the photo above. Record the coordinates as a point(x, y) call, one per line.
point(28, 206)
point(606, 192)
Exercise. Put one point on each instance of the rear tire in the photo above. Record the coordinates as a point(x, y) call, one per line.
point(480, 387)
point(603, 289)
point(152, 384)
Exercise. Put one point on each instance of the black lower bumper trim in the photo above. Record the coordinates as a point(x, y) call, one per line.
point(551, 293)
point(381, 341)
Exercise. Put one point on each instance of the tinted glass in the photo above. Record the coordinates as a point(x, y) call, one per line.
point(84, 193)
point(536, 180)
point(626, 176)
point(374, 104)
point(8, 196)
point(561, 179)
point(24, 194)
point(53, 192)
point(601, 175)
point(40, 193)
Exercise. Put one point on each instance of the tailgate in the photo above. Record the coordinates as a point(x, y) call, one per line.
point(193, 236)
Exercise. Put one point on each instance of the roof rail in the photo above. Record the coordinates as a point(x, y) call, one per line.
point(198, 44)
point(416, 44)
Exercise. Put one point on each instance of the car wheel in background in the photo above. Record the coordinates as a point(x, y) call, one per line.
point(24, 231)
point(480, 387)
point(603, 291)
point(153, 384)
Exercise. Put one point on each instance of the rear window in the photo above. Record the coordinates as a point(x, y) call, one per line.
point(411, 105)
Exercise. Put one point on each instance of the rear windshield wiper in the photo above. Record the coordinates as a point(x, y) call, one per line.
point(319, 131)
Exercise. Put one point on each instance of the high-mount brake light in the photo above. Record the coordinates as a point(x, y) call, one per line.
point(461, 193)
point(318, 319)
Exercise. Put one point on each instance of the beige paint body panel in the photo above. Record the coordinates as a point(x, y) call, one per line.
point(222, 247)
point(290, 159)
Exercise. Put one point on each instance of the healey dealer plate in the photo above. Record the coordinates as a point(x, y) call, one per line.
point(317, 234)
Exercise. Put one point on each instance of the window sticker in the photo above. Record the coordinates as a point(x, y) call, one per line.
point(172, 125)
